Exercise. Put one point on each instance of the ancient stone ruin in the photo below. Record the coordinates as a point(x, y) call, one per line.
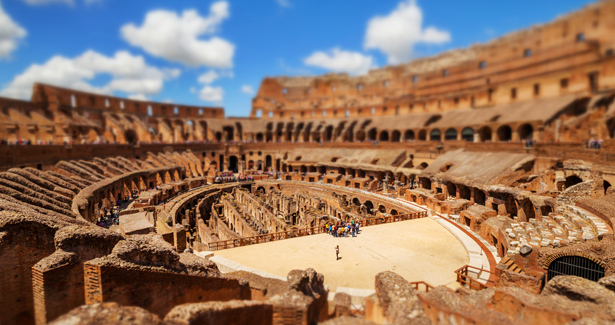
point(122, 211)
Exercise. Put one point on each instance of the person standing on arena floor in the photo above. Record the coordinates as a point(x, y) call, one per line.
point(337, 252)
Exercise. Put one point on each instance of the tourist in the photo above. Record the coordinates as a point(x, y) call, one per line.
point(337, 252)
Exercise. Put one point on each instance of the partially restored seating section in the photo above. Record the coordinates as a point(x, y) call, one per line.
point(509, 145)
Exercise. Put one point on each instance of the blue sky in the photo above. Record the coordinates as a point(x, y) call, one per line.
point(211, 53)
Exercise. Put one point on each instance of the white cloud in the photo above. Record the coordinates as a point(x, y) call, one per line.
point(67, 2)
point(396, 34)
point(177, 38)
point(247, 89)
point(10, 34)
point(211, 94)
point(140, 97)
point(208, 77)
point(283, 3)
point(340, 61)
point(128, 74)
point(44, 2)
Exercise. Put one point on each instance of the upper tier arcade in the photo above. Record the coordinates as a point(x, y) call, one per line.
point(571, 55)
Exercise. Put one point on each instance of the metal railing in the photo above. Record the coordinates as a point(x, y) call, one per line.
point(239, 242)
point(465, 280)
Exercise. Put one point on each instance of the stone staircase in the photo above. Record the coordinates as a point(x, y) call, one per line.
point(569, 225)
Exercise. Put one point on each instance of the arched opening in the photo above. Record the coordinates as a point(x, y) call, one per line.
point(229, 133)
point(361, 135)
point(409, 135)
point(328, 133)
point(267, 161)
point(610, 124)
point(435, 135)
point(382, 209)
point(450, 134)
point(479, 197)
point(394, 212)
point(526, 132)
point(451, 189)
point(467, 134)
point(371, 135)
point(504, 133)
point(606, 186)
point(396, 136)
point(259, 137)
point(425, 183)
point(423, 165)
point(422, 135)
point(572, 180)
point(218, 136)
point(233, 164)
point(370, 207)
point(384, 136)
point(303, 169)
point(356, 202)
point(484, 134)
point(464, 192)
point(577, 266)
point(250, 164)
point(131, 136)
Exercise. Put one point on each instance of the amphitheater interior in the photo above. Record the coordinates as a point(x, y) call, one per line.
point(123, 211)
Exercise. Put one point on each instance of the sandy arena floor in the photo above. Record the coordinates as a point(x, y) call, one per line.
point(416, 249)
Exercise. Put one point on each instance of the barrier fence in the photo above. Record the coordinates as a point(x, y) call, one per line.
point(465, 280)
point(245, 241)
point(416, 285)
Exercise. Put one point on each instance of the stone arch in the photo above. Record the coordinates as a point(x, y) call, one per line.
point(450, 134)
point(218, 136)
point(435, 135)
point(328, 134)
point(394, 212)
point(396, 136)
point(423, 135)
point(577, 265)
point(572, 180)
point(425, 182)
point(360, 135)
point(233, 163)
point(259, 137)
point(131, 136)
point(382, 208)
point(504, 133)
point(467, 134)
point(268, 161)
point(356, 202)
point(371, 134)
point(409, 135)
point(485, 134)
point(464, 192)
point(479, 197)
point(384, 136)
point(370, 206)
point(606, 185)
point(526, 132)
point(451, 189)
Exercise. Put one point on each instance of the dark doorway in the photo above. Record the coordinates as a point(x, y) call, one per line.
point(575, 265)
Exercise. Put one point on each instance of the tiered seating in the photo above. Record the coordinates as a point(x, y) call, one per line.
point(572, 224)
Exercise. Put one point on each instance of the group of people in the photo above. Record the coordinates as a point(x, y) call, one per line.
point(341, 229)
point(594, 144)
point(110, 217)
